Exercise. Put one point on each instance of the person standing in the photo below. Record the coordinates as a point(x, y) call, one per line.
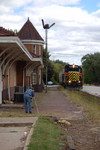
point(28, 95)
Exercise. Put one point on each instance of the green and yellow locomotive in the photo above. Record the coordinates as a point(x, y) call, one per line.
point(71, 76)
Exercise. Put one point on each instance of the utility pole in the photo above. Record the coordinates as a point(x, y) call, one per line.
point(46, 27)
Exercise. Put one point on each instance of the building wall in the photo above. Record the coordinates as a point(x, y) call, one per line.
point(12, 81)
point(12, 75)
point(29, 47)
point(36, 77)
point(5, 81)
point(5, 87)
point(40, 75)
point(39, 50)
point(19, 73)
point(35, 49)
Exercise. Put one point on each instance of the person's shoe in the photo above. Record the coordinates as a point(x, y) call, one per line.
point(30, 112)
point(26, 112)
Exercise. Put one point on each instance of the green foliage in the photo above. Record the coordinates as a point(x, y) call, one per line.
point(46, 56)
point(91, 68)
point(60, 62)
point(57, 66)
point(50, 70)
point(54, 67)
point(15, 31)
point(46, 136)
point(89, 103)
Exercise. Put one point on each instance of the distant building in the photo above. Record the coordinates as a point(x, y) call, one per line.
point(20, 62)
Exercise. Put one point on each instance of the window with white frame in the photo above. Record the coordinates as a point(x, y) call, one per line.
point(34, 77)
point(39, 49)
point(34, 49)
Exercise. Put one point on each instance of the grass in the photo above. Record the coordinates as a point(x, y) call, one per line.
point(11, 112)
point(46, 136)
point(89, 103)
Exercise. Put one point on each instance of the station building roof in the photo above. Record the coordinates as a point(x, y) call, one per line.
point(29, 32)
point(5, 32)
point(10, 43)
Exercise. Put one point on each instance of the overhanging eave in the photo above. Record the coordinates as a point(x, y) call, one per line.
point(14, 43)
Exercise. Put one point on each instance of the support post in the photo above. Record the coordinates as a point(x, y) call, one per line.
point(0, 86)
point(46, 57)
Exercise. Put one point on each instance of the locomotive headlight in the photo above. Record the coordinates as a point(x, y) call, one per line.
point(73, 66)
point(79, 81)
point(69, 81)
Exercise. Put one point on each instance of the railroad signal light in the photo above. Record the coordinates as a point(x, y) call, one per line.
point(46, 27)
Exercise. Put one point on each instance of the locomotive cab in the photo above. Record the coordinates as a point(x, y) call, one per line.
point(72, 76)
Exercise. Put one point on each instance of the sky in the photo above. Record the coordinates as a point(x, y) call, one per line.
point(77, 24)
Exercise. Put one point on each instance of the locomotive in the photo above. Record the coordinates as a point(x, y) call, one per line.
point(71, 76)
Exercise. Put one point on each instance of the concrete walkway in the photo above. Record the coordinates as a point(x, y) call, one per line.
point(93, 90)
point(54, 103)
point(15, 132)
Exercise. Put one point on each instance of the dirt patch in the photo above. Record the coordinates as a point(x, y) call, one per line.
point(79, 134)
point(86, 136)
point(15, 124)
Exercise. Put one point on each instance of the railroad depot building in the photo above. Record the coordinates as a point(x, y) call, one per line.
point(20, 62)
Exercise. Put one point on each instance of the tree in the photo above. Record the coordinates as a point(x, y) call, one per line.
point(54, 67)
point(60, 62)
point(58, 66)
point(46, 56)
point(15, 31)
point(91, 68)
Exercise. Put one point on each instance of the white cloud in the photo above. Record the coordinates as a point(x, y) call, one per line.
point(96, 13)
point(14, 3)
point(75, 33)
point(58, 2)
point(8, 13)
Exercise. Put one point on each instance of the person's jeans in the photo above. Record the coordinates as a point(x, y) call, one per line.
point(27, 103)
